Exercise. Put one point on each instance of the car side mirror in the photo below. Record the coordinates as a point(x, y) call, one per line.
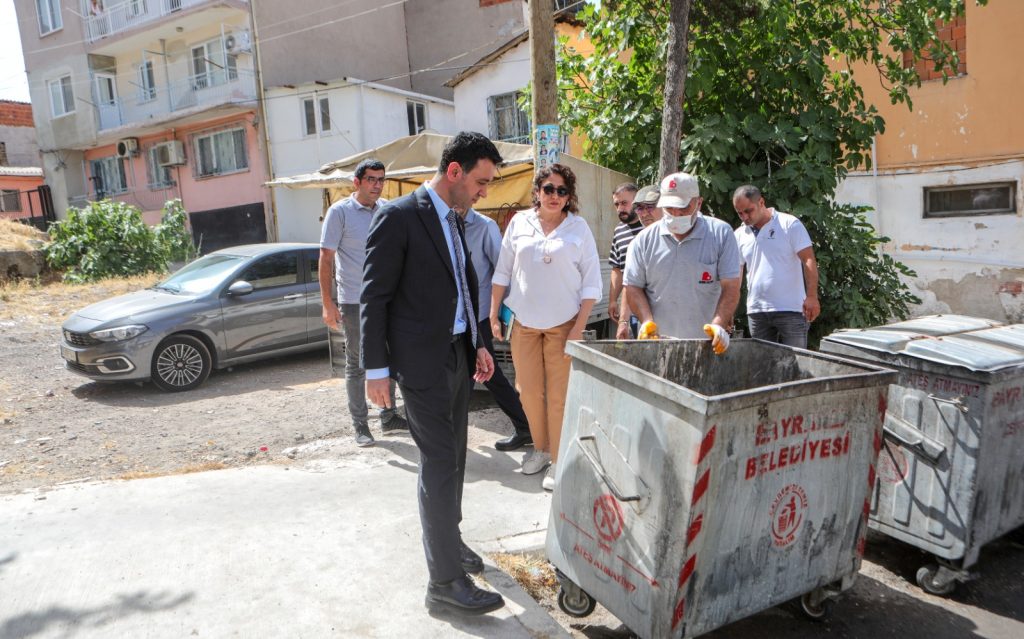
point(239, 288)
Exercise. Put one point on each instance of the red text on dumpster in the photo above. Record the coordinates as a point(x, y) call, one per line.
point(768, 432)
point(1007, 397)
point(1013, 428)
point(924, 382)
point(787, 514)
point(596, 562)
point(795, 453)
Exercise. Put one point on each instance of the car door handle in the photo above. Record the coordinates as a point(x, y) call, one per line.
point(294, 296)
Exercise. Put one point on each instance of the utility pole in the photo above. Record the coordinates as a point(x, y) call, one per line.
point(675, 86)
point(544, 115)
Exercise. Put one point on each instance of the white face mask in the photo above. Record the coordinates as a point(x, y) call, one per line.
point(678, 224)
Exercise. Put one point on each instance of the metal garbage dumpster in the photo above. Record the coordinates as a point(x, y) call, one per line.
point(951, 470)
point(693, 490)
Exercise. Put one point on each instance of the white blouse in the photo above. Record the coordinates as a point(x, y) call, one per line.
point(548, 277)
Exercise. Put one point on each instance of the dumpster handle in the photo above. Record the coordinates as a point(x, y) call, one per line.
point(904, 433)
point(956, 401)
point(596, 463)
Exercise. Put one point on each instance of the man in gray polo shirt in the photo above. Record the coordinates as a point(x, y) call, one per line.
point(343, 251)
point(683, 271)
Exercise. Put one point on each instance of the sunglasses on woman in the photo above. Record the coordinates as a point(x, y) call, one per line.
point(550, 189)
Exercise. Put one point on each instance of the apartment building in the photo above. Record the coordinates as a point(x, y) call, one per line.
point(946, 185)
point(144, 101)
point(147, 100)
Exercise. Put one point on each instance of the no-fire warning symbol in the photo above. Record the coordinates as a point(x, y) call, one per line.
point(607, 518)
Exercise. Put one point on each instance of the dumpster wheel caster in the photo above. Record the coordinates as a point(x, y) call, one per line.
point(815, 607)
point(927, 579)
point(580, 605)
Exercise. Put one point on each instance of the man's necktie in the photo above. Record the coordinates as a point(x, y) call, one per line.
point(460, 275)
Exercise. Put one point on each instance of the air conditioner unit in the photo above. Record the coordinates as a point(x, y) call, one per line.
point(170, 153)
point(238, 42)
point(128, 147)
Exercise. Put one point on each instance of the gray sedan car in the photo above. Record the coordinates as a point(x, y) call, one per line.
point(232, 306)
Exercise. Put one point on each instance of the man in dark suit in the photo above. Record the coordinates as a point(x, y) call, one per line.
point(419, 327)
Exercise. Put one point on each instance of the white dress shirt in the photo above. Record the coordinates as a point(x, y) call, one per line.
point(548, 276)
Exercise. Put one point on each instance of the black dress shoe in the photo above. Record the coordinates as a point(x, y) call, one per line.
point(471, 562)
point(513, 442)
point(462, 596)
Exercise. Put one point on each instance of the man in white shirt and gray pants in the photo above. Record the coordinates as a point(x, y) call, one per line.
point(782, 273)
point(343, 251)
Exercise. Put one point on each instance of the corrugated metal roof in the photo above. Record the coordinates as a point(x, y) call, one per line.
point(957, 340)
point(21, 171)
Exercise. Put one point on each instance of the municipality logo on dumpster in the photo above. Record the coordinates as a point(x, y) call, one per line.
point(787, 514)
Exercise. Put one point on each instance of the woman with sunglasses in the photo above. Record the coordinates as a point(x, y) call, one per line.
point(549, 265)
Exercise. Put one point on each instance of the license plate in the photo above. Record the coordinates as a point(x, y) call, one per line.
point(68, 354)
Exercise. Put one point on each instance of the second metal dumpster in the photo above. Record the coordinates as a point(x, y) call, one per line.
point(693, 490)
point(951, 471)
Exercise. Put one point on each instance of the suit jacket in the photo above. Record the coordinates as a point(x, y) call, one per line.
point(410, 293)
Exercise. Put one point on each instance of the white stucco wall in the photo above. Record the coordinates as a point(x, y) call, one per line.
point(972, 264)
point(362, 117)
point(298, 214)
point(509, 73)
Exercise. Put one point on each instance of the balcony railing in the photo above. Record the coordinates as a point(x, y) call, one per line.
point(220, 86)
point(116, 17)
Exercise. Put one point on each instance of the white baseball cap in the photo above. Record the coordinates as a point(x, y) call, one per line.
point(677, 190)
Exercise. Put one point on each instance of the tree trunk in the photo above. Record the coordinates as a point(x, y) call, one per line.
point(542, 67)
point(675, 86)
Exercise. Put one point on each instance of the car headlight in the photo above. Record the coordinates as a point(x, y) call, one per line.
point(120, 333)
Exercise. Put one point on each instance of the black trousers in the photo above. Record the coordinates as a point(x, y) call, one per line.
point(505, 395)
point(438, 416)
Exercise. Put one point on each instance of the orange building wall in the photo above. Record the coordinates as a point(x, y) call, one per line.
point(23, 184)
point(974, 117)
point(197, 194)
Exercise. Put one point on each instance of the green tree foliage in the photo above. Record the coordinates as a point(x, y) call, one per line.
point(771, 99)
point(172, 233)
point(109, 239)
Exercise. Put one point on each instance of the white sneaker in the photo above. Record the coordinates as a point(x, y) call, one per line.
point(549, 479)
point(536, 461)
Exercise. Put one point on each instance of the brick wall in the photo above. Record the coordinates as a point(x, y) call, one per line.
point(953, 33)
point(15, 113)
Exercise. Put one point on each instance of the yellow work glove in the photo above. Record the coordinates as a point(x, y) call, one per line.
point(648, 330)
point(719, 337)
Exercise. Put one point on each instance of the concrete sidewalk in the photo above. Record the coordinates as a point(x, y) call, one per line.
point(328, 550)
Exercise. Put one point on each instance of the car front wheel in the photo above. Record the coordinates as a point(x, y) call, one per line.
point(181, 363)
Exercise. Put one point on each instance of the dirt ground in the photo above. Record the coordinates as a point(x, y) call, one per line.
point(57, 427)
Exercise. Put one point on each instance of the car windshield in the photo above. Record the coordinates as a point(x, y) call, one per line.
point(202, 276)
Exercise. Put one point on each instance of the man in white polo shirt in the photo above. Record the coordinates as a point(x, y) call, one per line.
point(684, 271)
point(782, 273)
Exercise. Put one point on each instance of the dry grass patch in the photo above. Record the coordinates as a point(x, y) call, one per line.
point(533, 573)
point(49, 299)
point(185, 470)
point(15, 236)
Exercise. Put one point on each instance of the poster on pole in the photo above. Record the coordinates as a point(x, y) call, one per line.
point(547, 145)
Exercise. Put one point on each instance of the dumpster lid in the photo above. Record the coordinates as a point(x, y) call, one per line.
point(1010, 336)
point(968, 351)
point(941, 324)
point(989, 349)
point(876, 339)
